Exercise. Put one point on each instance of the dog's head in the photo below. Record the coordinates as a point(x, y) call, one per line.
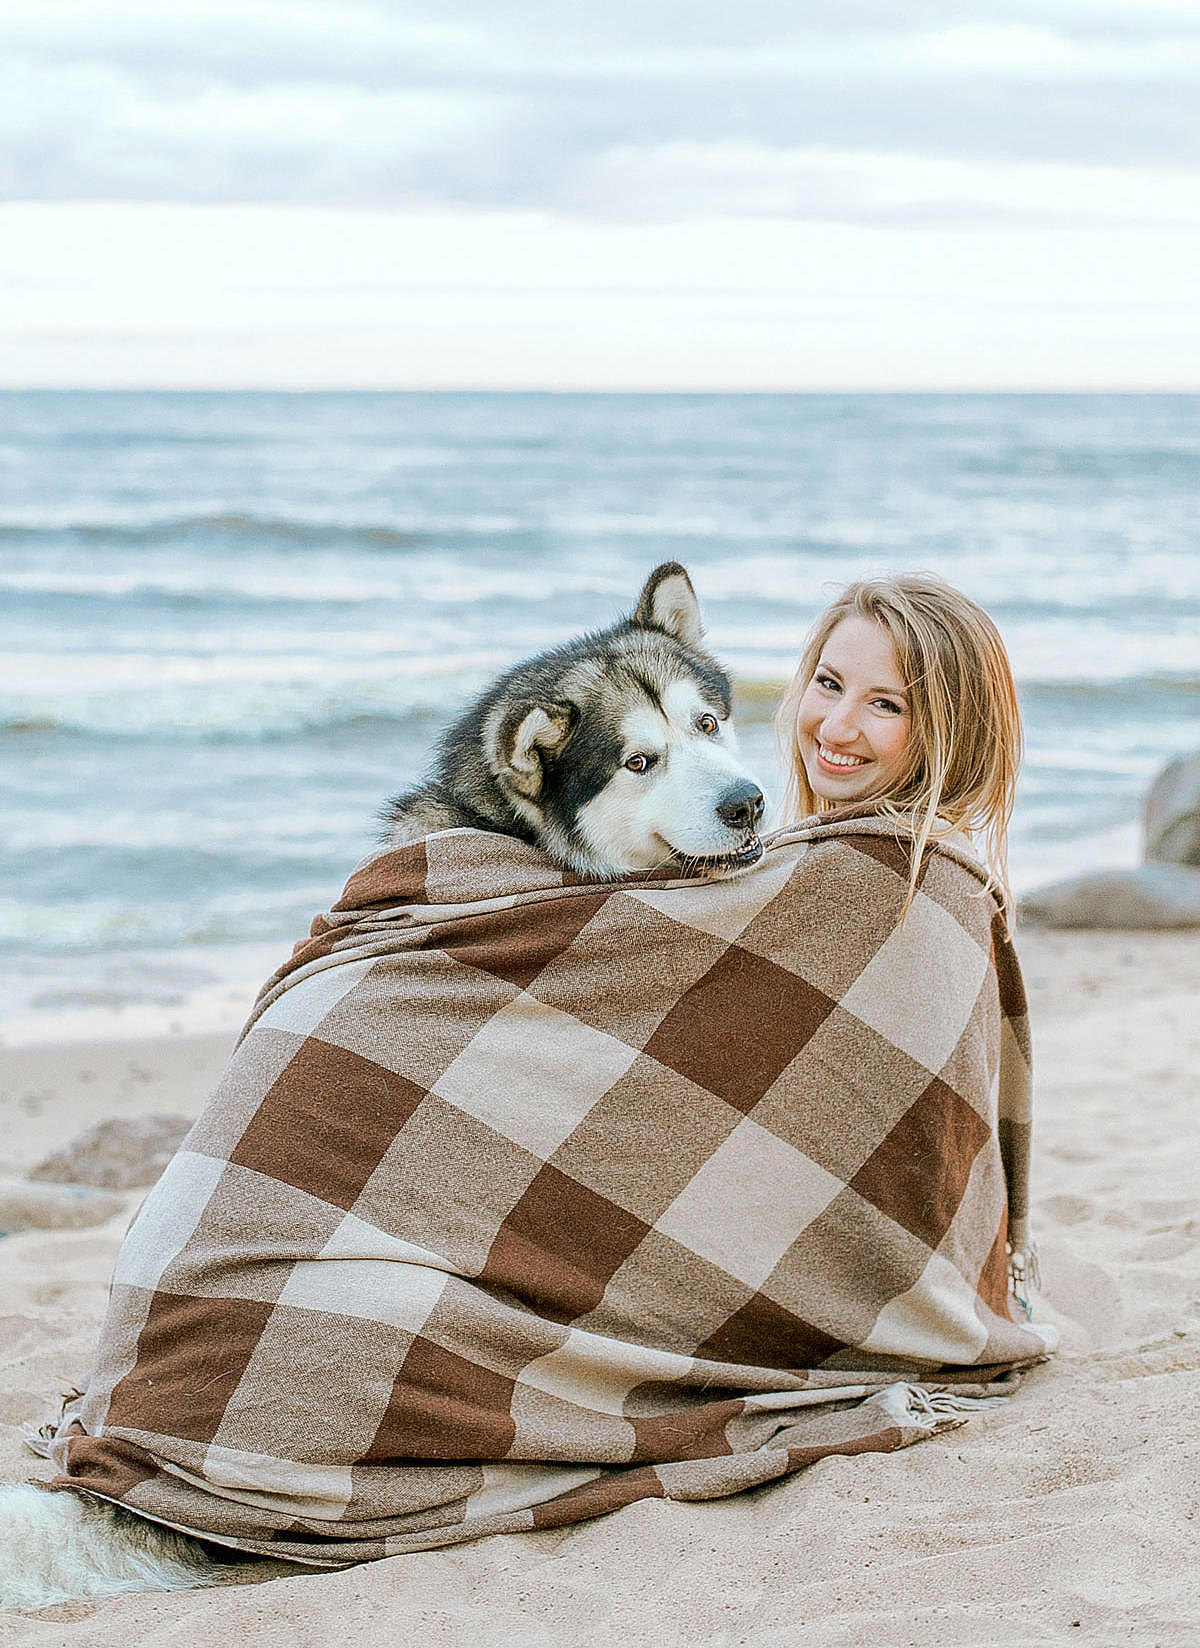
point(618, 749)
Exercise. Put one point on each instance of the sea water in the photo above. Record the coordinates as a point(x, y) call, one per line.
point(232, 624)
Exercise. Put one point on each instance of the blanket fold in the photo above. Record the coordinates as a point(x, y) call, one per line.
point(523, 1198)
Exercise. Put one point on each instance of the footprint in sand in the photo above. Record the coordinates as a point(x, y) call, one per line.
point(1066, 1209)
point(1071, 1153)
point(1080, 1291)
point(1166, 1244)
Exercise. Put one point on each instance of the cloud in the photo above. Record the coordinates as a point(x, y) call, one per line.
point(666, 109)
point(741, 179)
point(281, 142)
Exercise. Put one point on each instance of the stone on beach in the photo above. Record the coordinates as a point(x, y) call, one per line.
point(1162, 893)
point(118, 1154)
point(1173, 813)
point(26, 1206)
point(1156, 896)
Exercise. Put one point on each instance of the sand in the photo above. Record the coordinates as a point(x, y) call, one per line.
point(1066, 1515)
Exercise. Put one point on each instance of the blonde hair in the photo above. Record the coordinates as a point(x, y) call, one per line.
point(965, 740)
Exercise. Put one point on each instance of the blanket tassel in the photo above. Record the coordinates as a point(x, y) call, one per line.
point(37, 1438)
point(934, 1410)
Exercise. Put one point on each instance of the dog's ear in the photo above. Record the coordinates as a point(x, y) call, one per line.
point(669, 602)
point(530, 733)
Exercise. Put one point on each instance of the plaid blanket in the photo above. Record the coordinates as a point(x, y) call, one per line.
point(524, 1198)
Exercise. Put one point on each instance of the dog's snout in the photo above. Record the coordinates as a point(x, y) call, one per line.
point(741, 807)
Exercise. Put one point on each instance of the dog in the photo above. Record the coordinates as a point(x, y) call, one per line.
point(613, 753)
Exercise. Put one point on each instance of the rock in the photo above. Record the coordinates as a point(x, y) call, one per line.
point(1152, 896)
point(117, 1154)
point(26, 1206)
point(1173, 814)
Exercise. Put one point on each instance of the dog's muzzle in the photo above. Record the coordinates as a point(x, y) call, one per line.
point(741, 809)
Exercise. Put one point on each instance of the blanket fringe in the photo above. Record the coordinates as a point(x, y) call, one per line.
point(933, 1410)
point(948, 1401)
point(37, 1438)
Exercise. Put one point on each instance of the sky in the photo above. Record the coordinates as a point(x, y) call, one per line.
point(636, 194)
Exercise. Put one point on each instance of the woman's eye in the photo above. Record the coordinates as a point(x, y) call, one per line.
point(708, 724)
point(887, 704)
point(638, 763)
point(826, 681)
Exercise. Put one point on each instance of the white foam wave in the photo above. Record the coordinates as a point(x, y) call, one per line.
point(417, 587)
point(238, 827)
point(1044, 652)
point(272, 694)
point(135, 994)
point(199, 516)
point(104, 921)
point(149, 696)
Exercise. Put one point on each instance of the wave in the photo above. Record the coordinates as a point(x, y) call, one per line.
point(757, 698)
point(81, 925)
point(1181, 462)
point(239, 526)
point(1181, 685)
point(181, 587)
point(239, 529)
point(414, 710)
point(139, 722)
point(786, 527)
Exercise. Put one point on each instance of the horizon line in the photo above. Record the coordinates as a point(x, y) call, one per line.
point(662, 391)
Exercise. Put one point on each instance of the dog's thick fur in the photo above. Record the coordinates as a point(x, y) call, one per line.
point(612, 753)
point(553, 753)
point(58, 1547)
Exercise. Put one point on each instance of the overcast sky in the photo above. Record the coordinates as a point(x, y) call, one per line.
point(668, 193)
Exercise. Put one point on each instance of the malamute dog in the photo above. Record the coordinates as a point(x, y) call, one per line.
point(612, 753)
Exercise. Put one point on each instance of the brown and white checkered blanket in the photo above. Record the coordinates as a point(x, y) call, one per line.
point(524, 1198)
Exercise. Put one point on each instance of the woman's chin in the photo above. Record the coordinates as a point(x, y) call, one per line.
point(839, 791)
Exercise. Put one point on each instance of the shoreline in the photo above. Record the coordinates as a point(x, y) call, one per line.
point(134, 995)
point(143, 993)
point(1073, 1502)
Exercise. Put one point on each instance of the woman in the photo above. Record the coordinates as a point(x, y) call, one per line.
point(904, 699)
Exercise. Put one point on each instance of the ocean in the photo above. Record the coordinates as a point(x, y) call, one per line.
point(234, 623)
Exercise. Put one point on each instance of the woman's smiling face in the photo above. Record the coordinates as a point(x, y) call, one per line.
point(854, 719)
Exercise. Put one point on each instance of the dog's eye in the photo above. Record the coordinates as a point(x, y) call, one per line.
point(638, 763)
point(708, 724)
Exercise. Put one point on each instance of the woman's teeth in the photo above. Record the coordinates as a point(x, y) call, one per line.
point(840, 760)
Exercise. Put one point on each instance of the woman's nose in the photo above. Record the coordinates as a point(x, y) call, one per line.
point(839, 725)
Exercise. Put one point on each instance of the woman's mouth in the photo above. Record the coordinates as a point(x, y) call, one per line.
point(837, 764)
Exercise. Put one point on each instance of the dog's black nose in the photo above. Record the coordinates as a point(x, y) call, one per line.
point(742, 807)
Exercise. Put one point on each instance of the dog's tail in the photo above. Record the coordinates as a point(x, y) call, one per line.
point(59, 1547)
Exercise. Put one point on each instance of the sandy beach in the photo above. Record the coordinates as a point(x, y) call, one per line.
point(1067, 1514)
